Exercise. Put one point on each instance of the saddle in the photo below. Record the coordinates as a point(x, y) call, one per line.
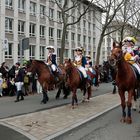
point(81, 74)
point(137, 75)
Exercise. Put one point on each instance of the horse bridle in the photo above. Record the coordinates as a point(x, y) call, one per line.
point(116, 59)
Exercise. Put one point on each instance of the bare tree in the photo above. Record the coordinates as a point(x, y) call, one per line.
point(120, 15)
point(128, 18)
point(111, 7)
point(69, 18)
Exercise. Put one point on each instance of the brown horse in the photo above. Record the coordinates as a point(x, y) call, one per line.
point(125, 80)
point(46, 78)
point(75, 81)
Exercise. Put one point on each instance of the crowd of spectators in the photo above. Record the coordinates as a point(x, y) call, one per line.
point(15, 81)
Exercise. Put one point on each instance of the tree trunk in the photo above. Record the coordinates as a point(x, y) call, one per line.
point(99, 50)
point(62, 50)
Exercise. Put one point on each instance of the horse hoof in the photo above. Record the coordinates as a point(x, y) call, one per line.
point(65, 97)
point(134, 109)
point(128, 120)
point(43, 102)
point(56, 97)
point(123, 120)
point(87, 100)
point(72, 107)
point(83, 101)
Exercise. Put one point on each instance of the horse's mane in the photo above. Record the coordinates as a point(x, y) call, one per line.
point(40, 61)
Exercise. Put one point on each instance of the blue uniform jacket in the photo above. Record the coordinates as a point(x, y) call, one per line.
point(84, 61)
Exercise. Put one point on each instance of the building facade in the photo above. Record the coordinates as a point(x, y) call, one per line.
point(107, 44)
point(36, 20)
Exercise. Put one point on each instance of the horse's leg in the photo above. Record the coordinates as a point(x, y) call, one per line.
point(84, 93)
point(66, 91)
point(45, 97)
point(76, 100)
point(58, 93)
point(73, 97)
point(129, 104)
point(123, 105)
point(138, 99)
point(89, 93)
point(114, 89)
point(134, 101)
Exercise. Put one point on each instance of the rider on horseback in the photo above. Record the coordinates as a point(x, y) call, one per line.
point(130, 56)
point(90, 68)
point(80, 62)
point(51, 60)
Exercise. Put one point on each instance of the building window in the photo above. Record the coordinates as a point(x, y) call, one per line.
point(79, 24)
point(84, 24)
point(79, 38)
point(72, 36)
point(21, 25)
point(66, 53)
point(59, 1)
point(8, 24)
point(9, 3)
point(32, 52)
point(19, 55)
point(84, 39)
point(93, 41)
point(33, 8)
point(67, 36)
point(42, 52)
point(51, 33)
point(58, 52)
point(59, 34)
point(21, 5)
point(89, 40)
point(42, 11)
point(32, 29)
point(51, 13)
point(89, 26)
point(73, 54)
point(8, 52)
point(59, 16)
point(42, 31)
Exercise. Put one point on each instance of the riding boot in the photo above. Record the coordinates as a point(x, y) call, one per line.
point(18, 95)
point(21, 94)
point(56, 76)
point(85, 82)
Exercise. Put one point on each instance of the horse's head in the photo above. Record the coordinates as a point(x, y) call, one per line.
point(116, 54)
point(68, 65)
point(30, 66)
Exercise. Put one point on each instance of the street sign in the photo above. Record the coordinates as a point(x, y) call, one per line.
point(5, 44)
point(25, 43)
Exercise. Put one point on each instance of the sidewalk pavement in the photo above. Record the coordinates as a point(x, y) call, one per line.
point(48, 124)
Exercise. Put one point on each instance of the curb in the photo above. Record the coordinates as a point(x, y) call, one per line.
point(79, 123)
point(19, 131)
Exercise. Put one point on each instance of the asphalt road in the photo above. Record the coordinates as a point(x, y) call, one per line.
point(9, 108)
point(106, 127)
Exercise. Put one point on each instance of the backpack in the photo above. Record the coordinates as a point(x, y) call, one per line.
point(4, 85)
point(26, 79)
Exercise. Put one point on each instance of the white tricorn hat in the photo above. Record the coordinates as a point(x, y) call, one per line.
point(88, 56)
point(78, 48)
point(50, 47)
